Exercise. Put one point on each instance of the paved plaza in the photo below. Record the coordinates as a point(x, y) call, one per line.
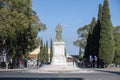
point(52, 72)
point(52, 69)
point(36, 74)
point(60, 69)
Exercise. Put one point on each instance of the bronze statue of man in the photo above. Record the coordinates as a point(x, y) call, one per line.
point(58, 33)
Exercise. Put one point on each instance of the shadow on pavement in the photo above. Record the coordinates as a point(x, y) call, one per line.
point(41, 79)
point(114, 72)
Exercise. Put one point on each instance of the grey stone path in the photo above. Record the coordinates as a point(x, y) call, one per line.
point(60, 69)
point(52, 69)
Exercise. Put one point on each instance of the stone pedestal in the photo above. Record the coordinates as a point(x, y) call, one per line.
point(59, 54)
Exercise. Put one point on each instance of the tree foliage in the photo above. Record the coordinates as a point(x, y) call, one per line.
point(82, 41)
point(51, 51)
point(19, 26)
point(106, 49)
point(96, 33)
point(43, 56)
point(99, 37)
point(117, 46)
point(46, 52)
point(40, 56)
point(90, 39)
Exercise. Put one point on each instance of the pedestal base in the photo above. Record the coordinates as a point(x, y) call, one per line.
point(59, 61)
point(59, 54)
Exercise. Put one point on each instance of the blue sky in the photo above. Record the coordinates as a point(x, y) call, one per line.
point(71, 14)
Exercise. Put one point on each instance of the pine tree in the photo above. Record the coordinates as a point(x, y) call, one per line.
point(82, 41)
point(51, 51)
point(106, 49)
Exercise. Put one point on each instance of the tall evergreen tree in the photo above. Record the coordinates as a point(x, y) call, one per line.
point(106, 49)
point(90, 39)
point(51, 51)
point(44, 54)
point(96, 33)
point(47, 57)
point(117, 46)
point(41, 51)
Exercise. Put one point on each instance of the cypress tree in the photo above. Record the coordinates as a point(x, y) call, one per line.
point(51, 51)
point(117, 47)
point(41, 51)
point(44, 53)
point(96, 33)
point(92, 25)
point(106, 49)
point(47, 58)
point(89, 46)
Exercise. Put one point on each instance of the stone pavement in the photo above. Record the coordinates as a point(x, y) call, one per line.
point(18, 69)
point(109, 69)
point(60, 69)
point(52, 69)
